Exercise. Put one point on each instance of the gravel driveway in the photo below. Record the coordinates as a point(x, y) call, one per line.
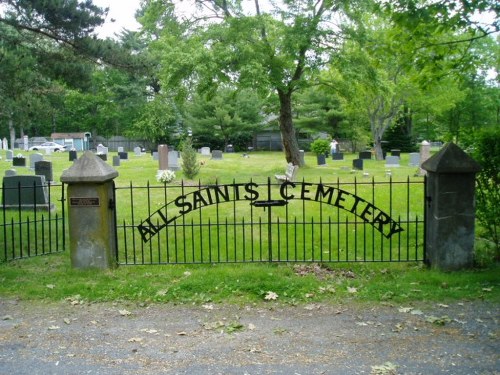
point(73, 337)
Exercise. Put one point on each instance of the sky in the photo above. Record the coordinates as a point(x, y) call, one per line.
point(122, 11)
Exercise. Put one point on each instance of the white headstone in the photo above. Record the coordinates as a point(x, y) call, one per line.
point(35, 158)
point(9, 155)
point(137, 151)
point(102, 150)
point(5, 144)
point(205, 151)
point(425, 153)
point(26, 143)
point(120, 149)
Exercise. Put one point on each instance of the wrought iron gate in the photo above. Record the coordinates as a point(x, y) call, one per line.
point(359, 221)
point(28, 230)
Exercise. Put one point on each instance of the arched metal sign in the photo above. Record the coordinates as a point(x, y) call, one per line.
point(261, 195)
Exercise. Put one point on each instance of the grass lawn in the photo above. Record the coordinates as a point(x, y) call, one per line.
point(51, 277)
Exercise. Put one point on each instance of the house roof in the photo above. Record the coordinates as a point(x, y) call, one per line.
point(67, 135)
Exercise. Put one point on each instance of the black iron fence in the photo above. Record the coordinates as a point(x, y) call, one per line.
point(359, 221)
point(32, 220)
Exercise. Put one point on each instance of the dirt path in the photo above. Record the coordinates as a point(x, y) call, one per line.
point(72, 337)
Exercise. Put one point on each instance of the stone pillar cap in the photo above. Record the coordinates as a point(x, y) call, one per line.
point(89, 168)
point(451, 159)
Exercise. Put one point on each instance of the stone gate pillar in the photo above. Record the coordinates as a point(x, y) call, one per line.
point(91, 212)
point(450, 208)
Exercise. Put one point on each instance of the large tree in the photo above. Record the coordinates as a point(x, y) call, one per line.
point(274, 49)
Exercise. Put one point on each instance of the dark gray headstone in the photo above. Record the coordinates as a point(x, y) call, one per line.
point(357, 164)
point(44, 168)
point(73, 155)
point(116, 161)
point(337, 156)
point(123, 155)
point(19, 162)
point(217, 154)
point(365, 155)
point(395, 152)
point(103, 156)
point(10, 172)
point(27, 192)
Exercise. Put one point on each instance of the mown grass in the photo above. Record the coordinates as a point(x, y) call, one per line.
point(51, 278)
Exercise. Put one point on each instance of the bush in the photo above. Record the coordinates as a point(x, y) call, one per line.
point(190, 165)
point(320, 147)
point(487, 154)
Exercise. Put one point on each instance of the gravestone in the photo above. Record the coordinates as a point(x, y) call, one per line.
point(34, 158)
point(44, 168)
point(337, 156)
point(137, 151)
point(19, 161)
point(5, 144)
point(73, 155)
point(123, 155)
point(102, 150)
point(365, 155)
point(395, 152)
point(205, 151)
point(217, 154)
point(357, 164)
point(155, 155)
point(162, 157)
point(10, 172)
point(120, 149)
point(425, 153)
point(392, 161)
point(173, 161)
point(116, 160)
point(414, 159)
point(26, 192)
point(302, 157)
point(9, 155)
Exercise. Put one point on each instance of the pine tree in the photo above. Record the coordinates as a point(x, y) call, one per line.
point(190, 165)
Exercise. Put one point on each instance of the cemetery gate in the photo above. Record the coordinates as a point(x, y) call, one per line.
point(358, 221)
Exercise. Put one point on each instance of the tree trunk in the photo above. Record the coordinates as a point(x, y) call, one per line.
point(290, 144)
point(12, 133)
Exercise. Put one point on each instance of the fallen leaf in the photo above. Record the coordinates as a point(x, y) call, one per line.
point(50, 286)
point(162, 292)
point(52, 328)
point(187, 273)
point(208, 307)
point(417, 312)
point(487, 289)
point(149, 330)
point(7, 317)
point(271, 296)
point(405, 309)
point(443, 305)
point(135, 339)
point(124, 312)
point(181, 333)
point(352, 289)
point(66, 320)
point(251, 326)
